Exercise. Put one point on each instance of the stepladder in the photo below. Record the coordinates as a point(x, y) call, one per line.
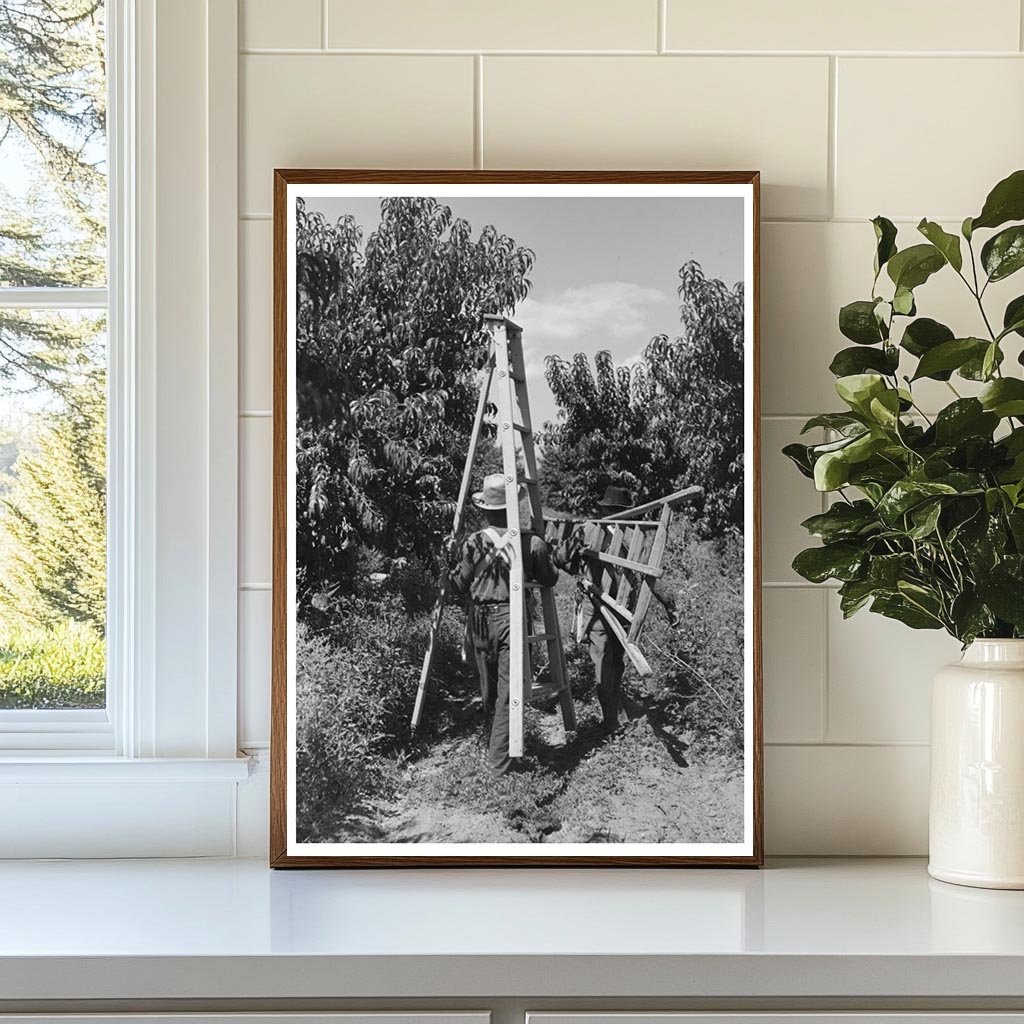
point(622, 565)
point(537, 667)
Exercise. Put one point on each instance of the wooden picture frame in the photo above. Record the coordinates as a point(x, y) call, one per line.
point(285, 849)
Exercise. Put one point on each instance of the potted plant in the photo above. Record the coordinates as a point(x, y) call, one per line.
point(926, 524)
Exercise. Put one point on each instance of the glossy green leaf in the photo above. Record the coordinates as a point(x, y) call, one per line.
point(841, 561)
point(902, 610)
point(1005, 202)
point(885, 409)
point(1003, 254)
point(925, 518)
point(841, 421)
point(911, 267)
point(799, 455)
point(950, 355)
point(971, 616)
point(842, 521)
point(964, 418)
point(885, 238)
point(857, 321)
point(990, 360)
point(1004, 397)
point(906, 494)
point(903, 302)
point(831, 471)
point(849, 361)
point(858, 389)
point(974, 368)
point(1013, 316)
point(947, 244)
point(923, 335)
point(1006, 599)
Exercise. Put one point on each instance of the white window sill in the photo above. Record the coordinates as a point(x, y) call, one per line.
point(78, 766)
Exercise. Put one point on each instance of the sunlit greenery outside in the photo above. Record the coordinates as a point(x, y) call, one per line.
point(52, 364)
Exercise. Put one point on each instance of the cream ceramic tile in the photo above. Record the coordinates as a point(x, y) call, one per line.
point(255, 509)
point(808, 271)
point(270, 24)
point(971, 111)
point(846, 801)
point(351, 111)
point(787, 498)
point(254, 609)
point(879, 677)
point(255, 316)
point(691, 113)
point(794, 663)
point(494, 24)
point(868, 25)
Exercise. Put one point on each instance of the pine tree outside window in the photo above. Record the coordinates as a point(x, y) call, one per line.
point(53, 366)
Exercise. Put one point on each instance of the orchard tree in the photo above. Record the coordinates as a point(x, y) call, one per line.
point(698, 418)
point(390, 341)
point(602, 435)
point(673, 420)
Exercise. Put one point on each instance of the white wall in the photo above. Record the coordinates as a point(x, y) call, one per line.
point(908, 109)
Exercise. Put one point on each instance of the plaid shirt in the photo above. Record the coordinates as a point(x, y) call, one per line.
point(485, 578)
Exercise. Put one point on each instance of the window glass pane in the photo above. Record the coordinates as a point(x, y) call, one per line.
point(53, 149)
point(52, 509)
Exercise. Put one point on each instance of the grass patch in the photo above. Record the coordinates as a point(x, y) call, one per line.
point(60, 667)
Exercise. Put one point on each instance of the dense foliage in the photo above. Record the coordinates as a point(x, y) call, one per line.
point(928, 522)
point(673, 420)
point(390, 338)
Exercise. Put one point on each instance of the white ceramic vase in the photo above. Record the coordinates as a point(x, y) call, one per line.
point(976, 815)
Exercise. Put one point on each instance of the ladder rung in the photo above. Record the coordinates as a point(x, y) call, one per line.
point(522, 428)
point(528, 480)
point(534, 585)
point(537, 637)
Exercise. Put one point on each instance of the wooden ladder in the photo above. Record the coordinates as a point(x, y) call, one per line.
point(505, 379)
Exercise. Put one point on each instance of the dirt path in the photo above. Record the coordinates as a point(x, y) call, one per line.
point(632, 787)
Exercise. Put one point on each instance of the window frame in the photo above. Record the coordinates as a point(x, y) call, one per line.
point(56, 730)
point(168, 152)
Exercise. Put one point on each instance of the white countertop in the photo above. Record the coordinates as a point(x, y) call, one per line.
point(235, 929)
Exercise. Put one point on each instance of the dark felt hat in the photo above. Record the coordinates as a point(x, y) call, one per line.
point(616, 497)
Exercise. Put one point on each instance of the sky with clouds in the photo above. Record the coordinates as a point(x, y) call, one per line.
point(606, 269)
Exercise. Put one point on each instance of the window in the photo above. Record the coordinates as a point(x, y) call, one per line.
point(53, 369)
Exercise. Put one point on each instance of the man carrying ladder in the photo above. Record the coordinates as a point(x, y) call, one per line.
point(483, 574)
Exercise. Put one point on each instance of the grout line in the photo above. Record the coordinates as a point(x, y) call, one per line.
point(833, 134)
point(828, 585)
point(856, 744)
point(478, 111)
point(323, 24)
point(369, 51)
point(663, 25)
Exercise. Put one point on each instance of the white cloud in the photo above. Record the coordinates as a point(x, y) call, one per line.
point(612, 309)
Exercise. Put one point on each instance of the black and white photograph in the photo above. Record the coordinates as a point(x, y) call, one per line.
point(516, 560)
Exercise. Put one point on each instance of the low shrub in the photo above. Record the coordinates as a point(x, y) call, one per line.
point(356, 679)
point(698, 668)
point(63, 666)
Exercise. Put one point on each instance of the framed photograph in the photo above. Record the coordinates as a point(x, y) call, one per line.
point(516, 552)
